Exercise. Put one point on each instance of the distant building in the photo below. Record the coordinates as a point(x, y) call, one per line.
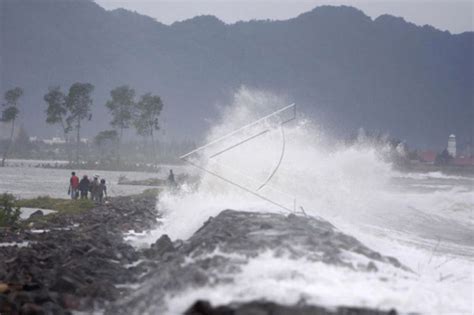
point(427, 156)
point(463, 161)
point(452, 145)
point(54, 140)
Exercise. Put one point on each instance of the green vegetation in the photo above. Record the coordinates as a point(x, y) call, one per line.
point(69, 110)
point(153, 192)
point(142, 114)
point(62, 206)
point(106, 142)
point(10, 207)
point(57, 111)
point(147, 112)
point(121, 108)
point(79, 103)
point(9, 211)
point(9, 115)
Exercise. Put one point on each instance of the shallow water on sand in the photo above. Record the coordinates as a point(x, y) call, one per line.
point(29, 182)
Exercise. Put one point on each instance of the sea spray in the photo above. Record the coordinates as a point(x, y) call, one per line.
point(317, 175)
point(351, 186)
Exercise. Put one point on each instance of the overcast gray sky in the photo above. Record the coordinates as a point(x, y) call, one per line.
point(455, 16)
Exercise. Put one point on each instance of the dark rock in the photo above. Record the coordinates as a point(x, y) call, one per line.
point(36, 214)
point(211, 256)
point(69, 301)
point(270, 308)
point(372, 267)
point(67, 283)
point(162, 246)
point(6, 306)
point(32, 309)
point(204, 307)
point(100, 290)
point(265, 226)
point(20, 297)
point(77, 267)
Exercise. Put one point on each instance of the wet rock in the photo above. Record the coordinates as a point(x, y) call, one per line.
point(77, 263)
point(32, 309)
point(217, 251)
point(78, 267)
point(66, 283)
point(372, 267)
point(162, 246)
point(270, 308)
point(36, 214)
point(5, 306)
point(100, 290)
point(204, 307)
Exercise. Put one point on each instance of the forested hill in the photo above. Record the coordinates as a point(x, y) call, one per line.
point(337, 63)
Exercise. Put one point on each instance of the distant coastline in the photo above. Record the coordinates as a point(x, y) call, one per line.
point(429, 168)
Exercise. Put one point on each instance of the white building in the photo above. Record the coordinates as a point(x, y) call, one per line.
point(452, 145)
point(54, 140)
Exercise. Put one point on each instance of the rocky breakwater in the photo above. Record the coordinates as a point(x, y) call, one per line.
point(215, 258)
point(73, 261)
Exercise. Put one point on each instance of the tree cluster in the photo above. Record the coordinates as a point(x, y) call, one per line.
point(9, 115)
point(126, 112)
point(70, 110)
point(9, 213)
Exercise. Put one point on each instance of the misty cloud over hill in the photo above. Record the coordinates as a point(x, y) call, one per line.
point(340, 66)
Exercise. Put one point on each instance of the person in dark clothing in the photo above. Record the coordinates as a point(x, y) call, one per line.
point(94, 188)
point(102, 191)
point(84, 186)
point(171, 180)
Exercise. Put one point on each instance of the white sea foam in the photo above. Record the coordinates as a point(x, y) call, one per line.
point(352, 188)
point(431, 175)
point(293, 280)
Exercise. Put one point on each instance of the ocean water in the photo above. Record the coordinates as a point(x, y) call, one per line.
point(424, 220)
point(27, 181)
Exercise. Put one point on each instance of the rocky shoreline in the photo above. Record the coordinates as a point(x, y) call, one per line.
point(217, 252)
point(73, 262)
point(80, 261)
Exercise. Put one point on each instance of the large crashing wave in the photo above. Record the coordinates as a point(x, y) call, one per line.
point(348, 185)
point(323, 177)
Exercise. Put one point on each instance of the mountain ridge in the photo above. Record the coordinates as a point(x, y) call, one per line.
point(384, 74)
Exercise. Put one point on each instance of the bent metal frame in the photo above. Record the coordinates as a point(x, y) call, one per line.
point(262, 126)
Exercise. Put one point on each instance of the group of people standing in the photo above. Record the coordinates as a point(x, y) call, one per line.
point(82, 188)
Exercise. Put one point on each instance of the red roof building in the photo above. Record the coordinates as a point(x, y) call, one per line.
point(463, 161)
point(427, 156)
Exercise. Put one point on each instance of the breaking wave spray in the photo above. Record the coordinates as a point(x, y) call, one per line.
point(311, 173)
point(348, 185)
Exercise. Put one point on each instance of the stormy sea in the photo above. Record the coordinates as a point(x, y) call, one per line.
point(424, 220)
point(288, 214)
